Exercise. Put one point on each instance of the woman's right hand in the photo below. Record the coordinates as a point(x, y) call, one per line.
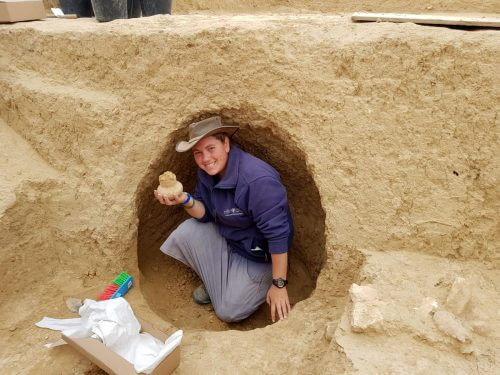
point(170, 200)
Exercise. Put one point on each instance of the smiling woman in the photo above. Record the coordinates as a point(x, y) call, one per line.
point(238, 239)
point(211, 154)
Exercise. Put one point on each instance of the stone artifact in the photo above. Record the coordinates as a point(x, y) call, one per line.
point(169, 184)
point(448, 323)
point(74, 304)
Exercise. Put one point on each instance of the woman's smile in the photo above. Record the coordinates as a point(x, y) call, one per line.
point(211, 155)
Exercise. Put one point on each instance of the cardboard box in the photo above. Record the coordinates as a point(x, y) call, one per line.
point(21, 10)
point(113, 364)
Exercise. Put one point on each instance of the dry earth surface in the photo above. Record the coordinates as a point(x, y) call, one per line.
point(295, 6)
point(386, 136)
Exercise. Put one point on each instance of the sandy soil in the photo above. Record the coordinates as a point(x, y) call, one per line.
point(386, 137)
point(295, 6)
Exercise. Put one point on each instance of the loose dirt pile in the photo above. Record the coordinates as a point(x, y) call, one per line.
point(386, 136)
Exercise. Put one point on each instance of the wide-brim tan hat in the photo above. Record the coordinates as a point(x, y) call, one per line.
point(201, 129)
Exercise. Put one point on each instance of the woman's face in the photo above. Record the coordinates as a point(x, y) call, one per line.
point(211, 155)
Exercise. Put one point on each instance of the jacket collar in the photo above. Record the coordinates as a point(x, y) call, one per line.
point(230, 177)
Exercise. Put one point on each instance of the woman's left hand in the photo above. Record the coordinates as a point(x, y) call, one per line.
point(277, 299)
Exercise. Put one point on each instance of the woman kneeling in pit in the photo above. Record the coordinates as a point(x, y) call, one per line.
point(241, 231)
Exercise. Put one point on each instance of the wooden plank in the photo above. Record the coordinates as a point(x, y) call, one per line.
point(429, 19)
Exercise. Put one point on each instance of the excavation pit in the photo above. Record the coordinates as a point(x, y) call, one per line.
point(167, 284)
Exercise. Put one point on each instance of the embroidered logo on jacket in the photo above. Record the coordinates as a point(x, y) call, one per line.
point(233, 212)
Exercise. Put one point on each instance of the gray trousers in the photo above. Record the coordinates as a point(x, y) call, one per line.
point(237, 286)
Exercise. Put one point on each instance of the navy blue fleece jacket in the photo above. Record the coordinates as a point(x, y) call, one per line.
point(249, 206)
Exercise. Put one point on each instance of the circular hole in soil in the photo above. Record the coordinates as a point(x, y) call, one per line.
point(167, 284)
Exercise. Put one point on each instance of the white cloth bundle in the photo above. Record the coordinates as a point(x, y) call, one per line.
point(113, 322)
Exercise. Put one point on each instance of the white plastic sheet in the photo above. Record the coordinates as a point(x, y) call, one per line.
point(114, 323)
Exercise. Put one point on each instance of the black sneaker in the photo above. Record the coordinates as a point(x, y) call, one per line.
point(201, 296)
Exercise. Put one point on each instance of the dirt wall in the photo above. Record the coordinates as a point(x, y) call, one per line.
point(399, 130)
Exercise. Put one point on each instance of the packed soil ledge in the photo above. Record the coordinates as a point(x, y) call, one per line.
point(386, 136)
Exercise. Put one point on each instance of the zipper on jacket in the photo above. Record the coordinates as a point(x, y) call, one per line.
point(213, 201)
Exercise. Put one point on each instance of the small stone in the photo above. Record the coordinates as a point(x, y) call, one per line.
point(12, 329)
point(430, 7)
point(467, 349)
point(74, 304)
point(459, 295)
point(448, 323)
point(330, 330)
point(91, 273)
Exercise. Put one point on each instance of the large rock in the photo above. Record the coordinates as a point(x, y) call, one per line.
point(365, 314)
